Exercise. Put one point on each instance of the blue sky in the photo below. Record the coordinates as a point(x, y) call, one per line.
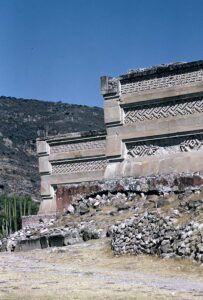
point(57, 49)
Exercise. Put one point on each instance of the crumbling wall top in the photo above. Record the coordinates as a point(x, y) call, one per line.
point(73, 135)
point(163, 68)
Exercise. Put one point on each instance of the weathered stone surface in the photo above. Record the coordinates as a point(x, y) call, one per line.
point(3, 245)
point(56, 240)
point(158, 234)
point(37, 220)
point(28, 244)
point(153, 185)
point(44, 242)
point(154, 127)
point(160, 223)
point(11, 245)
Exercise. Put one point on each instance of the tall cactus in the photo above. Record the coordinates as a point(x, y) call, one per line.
point(12, 208)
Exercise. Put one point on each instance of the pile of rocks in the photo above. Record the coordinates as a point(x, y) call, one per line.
point(153, 199)
point(152, 229)
point(47, 236)
point(158, 235)
point(84, 205)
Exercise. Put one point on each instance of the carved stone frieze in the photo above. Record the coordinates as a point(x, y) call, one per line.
point(142, 150)
point(78, 146)
point(163, 110)
point(154, 125)
point(165, 146)
point(77, 167)
point(190, 144)
point(135, 85)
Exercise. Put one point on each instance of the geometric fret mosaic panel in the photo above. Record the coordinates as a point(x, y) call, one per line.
point(77, 167)
point(160, 147)
point(163, 110)
point(77, 146)
point(135, 85)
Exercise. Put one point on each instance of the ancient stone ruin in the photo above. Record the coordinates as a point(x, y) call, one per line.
point(140, 182)
point(154, 127)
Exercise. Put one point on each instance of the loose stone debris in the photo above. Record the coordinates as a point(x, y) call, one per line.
point(167, 224)
point(154, 234)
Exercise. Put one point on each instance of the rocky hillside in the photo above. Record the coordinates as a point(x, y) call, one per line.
point(21, 122)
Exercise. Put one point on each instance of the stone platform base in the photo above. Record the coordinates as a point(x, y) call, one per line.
point(68, 194)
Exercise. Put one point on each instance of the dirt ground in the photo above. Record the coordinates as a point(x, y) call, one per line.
point(90, 271)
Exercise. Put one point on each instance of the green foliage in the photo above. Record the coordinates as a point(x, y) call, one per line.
point(12, 208)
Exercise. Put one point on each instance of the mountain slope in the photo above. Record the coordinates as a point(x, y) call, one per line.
point(21, 122)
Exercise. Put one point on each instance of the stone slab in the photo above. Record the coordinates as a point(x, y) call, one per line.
point(28, 245)
point(56, 240)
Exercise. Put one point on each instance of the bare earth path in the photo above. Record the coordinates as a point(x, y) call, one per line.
point(89, 271)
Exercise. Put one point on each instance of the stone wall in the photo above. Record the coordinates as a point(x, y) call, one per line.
point(70, 158)
point(154, 120)
point(154, 126)
point(69, 196)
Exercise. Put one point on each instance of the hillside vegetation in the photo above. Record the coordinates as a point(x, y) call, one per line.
point(21, 122)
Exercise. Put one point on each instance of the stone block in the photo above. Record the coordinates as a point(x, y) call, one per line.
point(28, 245)
point(44, 165)
point(44, 242)
point(114, 146)
point(47, 190)
point(43, 147)
point(112, 112)
point(56, 240)
point(48, 206)
point(109, 86)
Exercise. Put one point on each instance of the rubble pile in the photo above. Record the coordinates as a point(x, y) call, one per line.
point(152, 233)
point(157, 222)
point(47, 235)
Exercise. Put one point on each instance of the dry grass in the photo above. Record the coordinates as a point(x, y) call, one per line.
point(90, 271)
point(184, 219)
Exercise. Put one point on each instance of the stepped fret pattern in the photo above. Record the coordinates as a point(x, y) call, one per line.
point(163, 110)
point(134, 86)
point(97, 144)
point(77, 167)
point(142, 150)
point(165, 146)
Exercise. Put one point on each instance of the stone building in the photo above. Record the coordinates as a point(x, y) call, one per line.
point(154, 126)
